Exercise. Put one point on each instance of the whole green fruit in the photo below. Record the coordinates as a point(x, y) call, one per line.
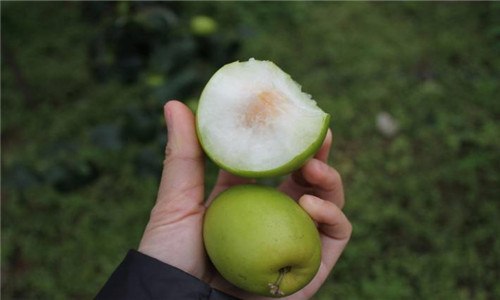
point(261, 240)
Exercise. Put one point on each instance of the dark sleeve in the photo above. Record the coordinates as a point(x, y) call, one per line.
point(142, 277)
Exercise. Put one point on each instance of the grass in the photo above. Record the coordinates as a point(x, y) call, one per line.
point(423, 202)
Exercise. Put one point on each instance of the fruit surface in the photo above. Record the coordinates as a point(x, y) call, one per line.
point(261, 240)
point(253, 120)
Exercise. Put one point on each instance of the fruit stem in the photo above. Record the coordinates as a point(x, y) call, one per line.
point(274, 288)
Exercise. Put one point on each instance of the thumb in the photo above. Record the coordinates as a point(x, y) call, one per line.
point(182, 180)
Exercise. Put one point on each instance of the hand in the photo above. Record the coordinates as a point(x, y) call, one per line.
point(174, 232)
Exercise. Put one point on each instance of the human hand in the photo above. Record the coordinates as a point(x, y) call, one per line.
point(174, 232)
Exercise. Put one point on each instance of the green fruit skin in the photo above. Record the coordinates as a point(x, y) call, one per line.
point(297, 162)
point(251, 232)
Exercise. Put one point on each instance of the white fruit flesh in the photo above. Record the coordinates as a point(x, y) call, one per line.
point(252, 116)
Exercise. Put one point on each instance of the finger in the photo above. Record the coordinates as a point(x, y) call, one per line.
point(182, 178)
point(330, 218)
point(317, 178)
point(326, 181)
point(224, 181)
point(324, 151)
point(333, 225)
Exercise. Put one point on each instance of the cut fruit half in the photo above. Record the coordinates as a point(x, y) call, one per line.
point(253, 120)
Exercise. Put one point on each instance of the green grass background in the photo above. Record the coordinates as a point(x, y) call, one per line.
point(81, 153)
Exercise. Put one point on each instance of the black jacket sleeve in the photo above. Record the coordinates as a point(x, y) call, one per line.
point(142, 277)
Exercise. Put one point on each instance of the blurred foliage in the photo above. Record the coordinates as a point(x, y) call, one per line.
point(83, 86)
